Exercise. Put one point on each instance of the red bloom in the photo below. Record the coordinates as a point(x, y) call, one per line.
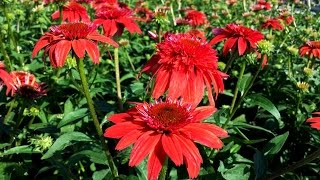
point(144, 13)
point(310, 49)
point(238, 37)
point(22, 83)
point(78, 37)
point(183, 66)
point(273, 24)
point(315, 121)
point(193, 18)
point(72, 12)
point(261, 5)
point(165, 129)
point(115, 18)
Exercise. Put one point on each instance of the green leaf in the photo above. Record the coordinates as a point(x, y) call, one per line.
point(238, 172)
point(249, 126)
point(260, 164)
point(68, 107)
point(259, 100)
point(244, 82)
point(4, 145)
point(72, 116)
point(25, 149)
point(275, 144)
point(100, 175)
point(142, 170)
point(64, 141)
point(95, 156)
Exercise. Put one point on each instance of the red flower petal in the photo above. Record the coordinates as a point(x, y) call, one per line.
point(218, 131)
point(93, 51)
point(78, 47)
point(98, 37)
point(130, 24)
point(242, 45)
point(177, 84)
point(121, 117)
point(202, 136)
point(55, 15)
point(61, 52)
point(217, 39)
point(42, 42)
point(155, 162)
point(172, 148)
point(129, 139)
point(121, 129)
point(143, 146)
point(203, 112)
point(192, 156)
point(229, 44)
point(161, 83)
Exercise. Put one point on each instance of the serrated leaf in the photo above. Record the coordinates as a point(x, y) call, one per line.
point(259, 100)
point(275, 144)
point(72, 116)
point(64, 141)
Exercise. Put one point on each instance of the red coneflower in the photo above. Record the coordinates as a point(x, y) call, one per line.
point(315, 121)
point(115, 18)
point(184, 65)
point(273, 24)
point(21, 83)
point(310, 49)
point(72, 12)
point(144, 13)
point(239, 38)
point(193, 18)
point(261, 5)
point(165, 129)
point(77, 37)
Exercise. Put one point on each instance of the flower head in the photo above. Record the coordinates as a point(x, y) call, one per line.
point(115, 18)
point(273, 23)
point(310, 49)
point(315, 121)
point(144, 13)
point(193, 18)
point(72, 12)
point(239, 38)
point(77, 37)
point(22, 83)
point(184, 65)
point(261, 5)
point(165, 129)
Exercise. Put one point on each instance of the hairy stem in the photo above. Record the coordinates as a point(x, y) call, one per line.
point(96, 123)
point(117, 71)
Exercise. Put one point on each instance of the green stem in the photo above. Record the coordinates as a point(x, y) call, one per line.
point(117, 71)
point(129, 59)
point(296, 165)
point(12, 105)
point(244, 5)
point(232, 58)
point(4, 53)
point(164, 170)
point(96, 123)
point(172, 14)
point(243, 67)
point(236, 107)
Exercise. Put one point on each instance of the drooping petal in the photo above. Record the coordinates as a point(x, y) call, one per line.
point(172, 148)
point(130, 24)
point(217, 39)
point(177, 84)
point(55, 15)
point(61, 52)
point(78, 47)
point(191, 155)
point(152, 65)
point(93, 51)
point(155, 162)
point(129, 139)
point(202, 136)
point(242, 45)
point(42, 42)
point(228, 45)
point(161, 83)
point(143, 146)
point(98, 37)
point(120, 117)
